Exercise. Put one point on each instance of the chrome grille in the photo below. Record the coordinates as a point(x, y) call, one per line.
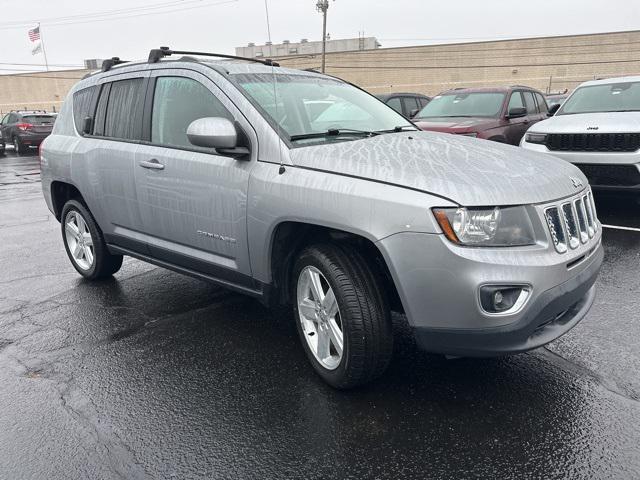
point(582, 220)
point(572, 222)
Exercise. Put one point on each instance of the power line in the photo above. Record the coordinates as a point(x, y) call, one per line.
point(42, 64)
point(124, 14)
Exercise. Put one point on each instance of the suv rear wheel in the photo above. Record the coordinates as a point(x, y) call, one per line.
point(342, 315)
point(18, 146)
point(85, 244)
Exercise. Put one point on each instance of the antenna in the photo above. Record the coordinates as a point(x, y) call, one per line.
point(281, 170)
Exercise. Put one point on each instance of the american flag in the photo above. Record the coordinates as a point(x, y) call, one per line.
point(34, 34)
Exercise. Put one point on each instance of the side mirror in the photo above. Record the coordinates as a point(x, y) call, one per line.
point(413, 112)
point(87, 125)
point(553, 109)
point(216, 132)
point(517, 112)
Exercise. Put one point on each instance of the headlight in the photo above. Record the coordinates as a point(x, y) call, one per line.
point(486, 227)
point(539, 138)
point(472, 134)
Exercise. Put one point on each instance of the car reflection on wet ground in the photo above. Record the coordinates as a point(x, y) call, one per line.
point(155, 375)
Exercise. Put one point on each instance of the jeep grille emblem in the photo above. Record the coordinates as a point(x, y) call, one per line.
point(593, 128)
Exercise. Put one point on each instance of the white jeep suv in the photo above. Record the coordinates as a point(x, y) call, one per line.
point(597, 129)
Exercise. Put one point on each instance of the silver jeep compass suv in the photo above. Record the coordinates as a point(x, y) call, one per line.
point(300, 189)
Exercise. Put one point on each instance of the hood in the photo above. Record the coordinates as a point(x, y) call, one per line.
point(606, 122)
point(456, 124)
point(465, 170)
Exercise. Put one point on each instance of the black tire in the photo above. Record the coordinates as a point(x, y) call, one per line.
point(104, 264)
point(363, 309)
point(18, 146)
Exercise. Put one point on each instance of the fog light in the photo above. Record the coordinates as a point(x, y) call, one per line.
point(503, 299)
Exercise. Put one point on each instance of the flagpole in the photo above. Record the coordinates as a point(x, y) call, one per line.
point(44, 51)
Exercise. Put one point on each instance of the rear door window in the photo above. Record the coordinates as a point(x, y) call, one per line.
point(177, 102)
point(530, 103)
point(124, 109)
point(542, 104)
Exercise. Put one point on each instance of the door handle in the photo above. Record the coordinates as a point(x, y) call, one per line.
point(152, 164)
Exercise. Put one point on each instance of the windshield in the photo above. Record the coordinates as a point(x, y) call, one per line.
point(480, 104)
point(613, 97)
point(309, 105)
point(39, 119)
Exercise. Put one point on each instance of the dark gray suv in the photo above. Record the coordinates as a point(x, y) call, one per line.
point(228, 171)
point(26, 130)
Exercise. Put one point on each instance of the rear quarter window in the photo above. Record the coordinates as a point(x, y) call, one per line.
point(82, 102)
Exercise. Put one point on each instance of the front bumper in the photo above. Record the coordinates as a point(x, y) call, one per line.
point(438, 285)
point(611, 171)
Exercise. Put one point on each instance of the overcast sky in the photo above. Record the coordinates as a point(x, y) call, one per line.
point(74, 30)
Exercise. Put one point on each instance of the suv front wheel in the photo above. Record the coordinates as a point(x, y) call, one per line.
point(85, 244)
point(342, 315)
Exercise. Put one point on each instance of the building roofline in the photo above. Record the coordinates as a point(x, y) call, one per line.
point(484, 42)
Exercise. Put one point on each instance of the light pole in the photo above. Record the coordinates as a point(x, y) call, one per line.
point(322, 6)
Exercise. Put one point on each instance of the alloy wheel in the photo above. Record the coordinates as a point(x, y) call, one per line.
point(79, 240)
point(320, 317)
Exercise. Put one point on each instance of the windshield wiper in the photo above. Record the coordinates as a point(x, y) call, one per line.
point(333, 132)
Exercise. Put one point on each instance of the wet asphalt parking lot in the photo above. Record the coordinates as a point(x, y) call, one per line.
point(155, 375)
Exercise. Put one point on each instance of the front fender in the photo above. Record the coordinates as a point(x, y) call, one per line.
point(372, 210)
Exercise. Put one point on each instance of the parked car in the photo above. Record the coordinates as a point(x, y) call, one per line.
point(406, 104)
point(499, 114)
point(2, 146)
point(26, 129)
point(555, 99)
point(202, 167)
point(598, 129)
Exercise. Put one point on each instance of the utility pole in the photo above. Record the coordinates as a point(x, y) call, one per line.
point(322, 6)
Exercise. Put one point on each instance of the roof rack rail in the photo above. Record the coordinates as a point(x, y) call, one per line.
point(157, 54)
point(109, 63)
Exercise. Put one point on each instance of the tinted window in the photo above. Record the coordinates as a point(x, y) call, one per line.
point(410, 105)
point(395, 103)
point(82, 106)
point(177, 102)
point(515, 101)
point(38, 119)
point(423, 101)
point(124, 109)
point(474, 104)
point(530, 102)
point(542, 104)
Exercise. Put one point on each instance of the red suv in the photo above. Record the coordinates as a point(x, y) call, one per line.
point(500, 114)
